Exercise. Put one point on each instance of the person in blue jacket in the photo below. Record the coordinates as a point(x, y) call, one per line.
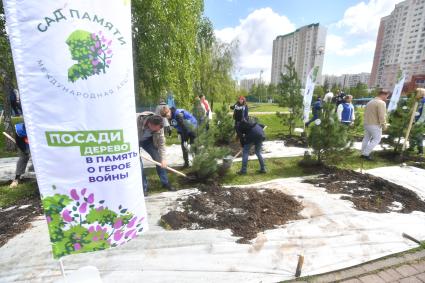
point(185, 124)
point(251, 133)
point(317, 107)
point(24, 152)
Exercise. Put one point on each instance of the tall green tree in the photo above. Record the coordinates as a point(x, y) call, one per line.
point(165, 40)
point(289, 90)
point(7, 77)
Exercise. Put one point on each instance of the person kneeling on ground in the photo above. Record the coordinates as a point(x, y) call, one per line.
point(345, 111)
point(152, 140)
point(251, 134)
point(185, 124)
point(24, 153)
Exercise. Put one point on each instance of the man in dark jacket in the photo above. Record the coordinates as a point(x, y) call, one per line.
point(23, 151)
point(185, 124)
point(252, 133)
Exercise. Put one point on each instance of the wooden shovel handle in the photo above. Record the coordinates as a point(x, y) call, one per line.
point(159, 164)
point(9, 137)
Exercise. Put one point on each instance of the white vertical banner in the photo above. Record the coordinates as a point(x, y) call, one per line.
point(398, 88)
point(309, 90)
point(74, 67)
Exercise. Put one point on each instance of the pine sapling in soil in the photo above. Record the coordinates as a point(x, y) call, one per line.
point(289, 90)
point(206, 155)
point(399, 120)
point(328, 137)
point(224, 129)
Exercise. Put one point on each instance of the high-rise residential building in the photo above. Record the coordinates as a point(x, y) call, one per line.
point(400, 45)
point(247, 84)
point(305, 47)
point(347, 80)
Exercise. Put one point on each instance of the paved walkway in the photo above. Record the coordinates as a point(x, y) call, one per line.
point(403, 268)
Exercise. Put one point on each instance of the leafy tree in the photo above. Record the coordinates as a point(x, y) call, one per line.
point(326, 85)
point(165, 40)
point(328, 136)
point(319, 91)
point(289, 90)
point(7, 78)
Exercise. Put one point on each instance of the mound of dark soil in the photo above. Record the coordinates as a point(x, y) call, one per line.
point(245, 211)
point(296, 141)
point(369, 193)
point(17, 218)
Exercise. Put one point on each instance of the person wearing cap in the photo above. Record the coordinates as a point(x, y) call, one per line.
point(185, 123)
point(374, 122)
point(152, 140)
point(345, 111)
point(21, 139)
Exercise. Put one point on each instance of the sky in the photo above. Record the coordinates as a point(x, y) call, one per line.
point(352, 28)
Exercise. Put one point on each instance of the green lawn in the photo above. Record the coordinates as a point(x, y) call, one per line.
point(4, 153)
point(276, 167)
point(9, 197)
point(266, 107)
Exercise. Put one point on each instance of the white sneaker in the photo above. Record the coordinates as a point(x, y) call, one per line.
point(14, 183)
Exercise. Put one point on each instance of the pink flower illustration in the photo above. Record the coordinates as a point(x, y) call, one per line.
point(83, 208)
point(109, 51)
point(94, 62)
point(91, 229)
point(117, 235)
point(48, 219)
point(90, 199)
point(93, 36)
point(118, 224)
point(77, 246)
point(131, 222)
point(108, 62)
point(66, 215)
point(128, 233)
point(74, 194)
point(83, 191)
point(97, 45)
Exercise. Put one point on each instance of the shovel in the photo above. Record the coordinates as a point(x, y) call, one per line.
point(168, 168)
point(9, 137)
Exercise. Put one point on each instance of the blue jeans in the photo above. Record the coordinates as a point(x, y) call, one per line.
point(148, 146)
point(245, 154)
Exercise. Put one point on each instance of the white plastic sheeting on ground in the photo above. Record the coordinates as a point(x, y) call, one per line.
point(332, 236)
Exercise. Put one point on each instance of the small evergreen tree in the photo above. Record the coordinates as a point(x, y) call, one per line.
point(289, 90)
point(223, 124)
point(399, 122)
point(206, 154)
point(328, 136)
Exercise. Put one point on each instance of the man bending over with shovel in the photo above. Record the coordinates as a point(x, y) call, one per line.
point(152, 140)
point(251, 133)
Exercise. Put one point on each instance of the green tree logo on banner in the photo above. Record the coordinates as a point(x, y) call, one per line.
point(92, 51)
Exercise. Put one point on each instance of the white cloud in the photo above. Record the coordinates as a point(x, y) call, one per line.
point(337, 45)
point(255, 34)
point(364, 18)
